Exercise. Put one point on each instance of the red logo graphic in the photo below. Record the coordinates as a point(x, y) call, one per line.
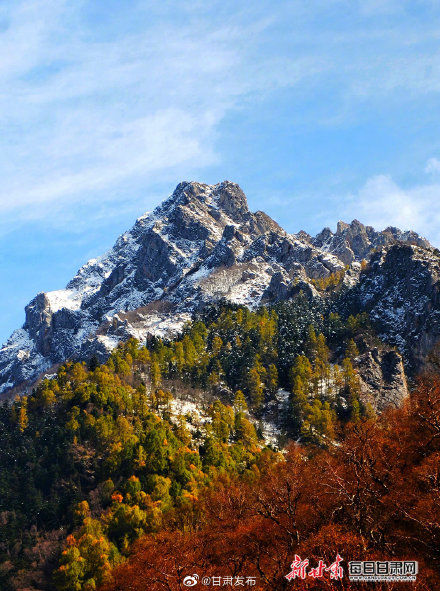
point(299, 569)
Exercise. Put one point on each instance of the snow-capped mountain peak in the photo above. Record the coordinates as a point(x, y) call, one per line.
point(200, 245)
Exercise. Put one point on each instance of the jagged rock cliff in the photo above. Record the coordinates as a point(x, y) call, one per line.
point(203, 244)
point(354, 242)
point(382, 378)
point(400, 289)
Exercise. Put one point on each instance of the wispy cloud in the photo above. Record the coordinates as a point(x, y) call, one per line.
point(82, 112)
point(433, 166)
point(89, 107)
point(138, 147)
point(381, 202)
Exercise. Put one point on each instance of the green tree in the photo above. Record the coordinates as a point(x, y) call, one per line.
point(155, 373)
point(272, 379)
point(352, 351)
point(255, 388)
point(352, 389)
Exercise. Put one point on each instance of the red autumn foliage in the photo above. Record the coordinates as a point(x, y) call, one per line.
point(374, 496)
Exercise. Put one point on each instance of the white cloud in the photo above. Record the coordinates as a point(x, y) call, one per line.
point(381, 203)
point(87, 107)
point(432, 166)
point(139, 147)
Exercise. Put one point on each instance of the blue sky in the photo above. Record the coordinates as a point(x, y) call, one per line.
point(320, 110)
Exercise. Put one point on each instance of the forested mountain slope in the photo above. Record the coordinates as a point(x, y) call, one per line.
point(99, 456)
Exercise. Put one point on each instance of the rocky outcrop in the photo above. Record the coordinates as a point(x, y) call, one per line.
point(382, 378)
point(400, 289)
point(354, 242)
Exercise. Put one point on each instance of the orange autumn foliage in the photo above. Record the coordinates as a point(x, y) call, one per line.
point(376, 496)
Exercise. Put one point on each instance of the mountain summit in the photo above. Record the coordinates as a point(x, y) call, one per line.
point(202, 245)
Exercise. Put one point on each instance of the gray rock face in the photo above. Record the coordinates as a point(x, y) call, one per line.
point(382, 378)
point(354, 242)
point(200, 245)
point(400, 289)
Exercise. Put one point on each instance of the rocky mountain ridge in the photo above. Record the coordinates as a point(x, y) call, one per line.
point(203, 245)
